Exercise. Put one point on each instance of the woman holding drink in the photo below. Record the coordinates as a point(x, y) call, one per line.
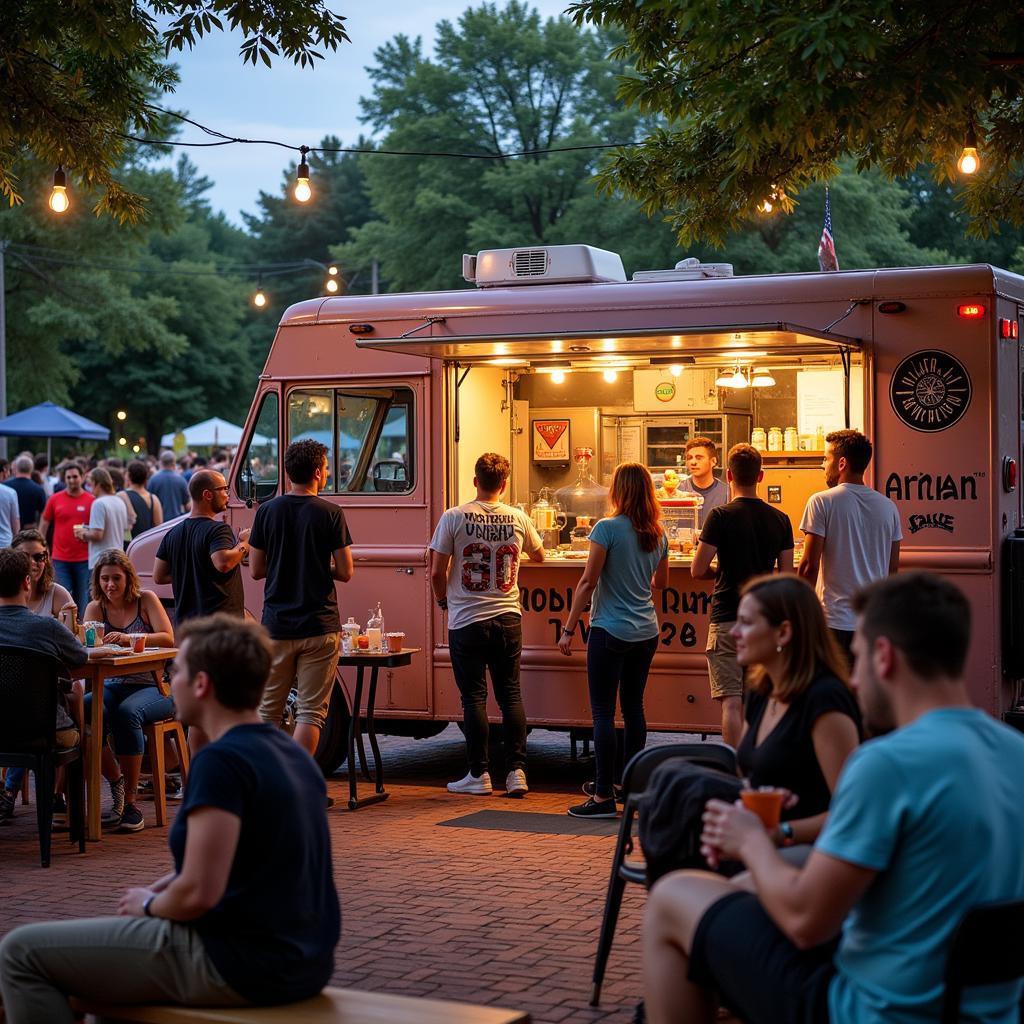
point(628, 557)
point(48, 597)
point(129, 702)
point(802, 720)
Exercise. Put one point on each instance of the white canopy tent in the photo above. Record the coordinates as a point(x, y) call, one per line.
point(209, 434)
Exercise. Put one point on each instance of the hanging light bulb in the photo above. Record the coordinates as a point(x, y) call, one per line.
point(331, 284)
point(969, 160)
point(302, 192)
point(767, 205)
point(259, 297)
point(762, 379)
point(59, 200)
point(611, 376)
point(123, 441)
point(675, 369)
point(332, 270)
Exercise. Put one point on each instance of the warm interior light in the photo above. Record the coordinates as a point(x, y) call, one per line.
point(738, 380)
point(259, 299)
point(122, 441)
point(611, 376)
point(136, 449)
point(762, 379)
point(558, 377)
point(331, 285)
point(59, 200)
point(508, 362)
point(675, 369)
point(969, 160)
point(333, 271)
point(724, 379)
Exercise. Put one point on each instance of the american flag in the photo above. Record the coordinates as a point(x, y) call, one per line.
point(827, 259)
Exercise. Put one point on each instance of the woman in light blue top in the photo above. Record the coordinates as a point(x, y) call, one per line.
point(628, 558)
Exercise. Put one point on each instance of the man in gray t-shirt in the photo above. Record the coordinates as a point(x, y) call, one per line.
point(701, 460)
point(474, 573)
point(852, 533)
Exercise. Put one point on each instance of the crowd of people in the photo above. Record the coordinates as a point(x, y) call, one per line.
point(843, 911)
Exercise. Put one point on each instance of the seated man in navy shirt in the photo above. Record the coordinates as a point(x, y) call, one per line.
point(249, 913)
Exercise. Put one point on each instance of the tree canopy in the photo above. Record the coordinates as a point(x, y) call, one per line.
point(77, 77)
point(762, 99)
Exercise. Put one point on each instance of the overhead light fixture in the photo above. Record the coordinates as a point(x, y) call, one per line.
point(507, 362)
point(59, 200)
point(558, 377)
point(302, 191)
point(675, 369)
point(724, 379)
point(739, 380)
point(969, 160)
point(611, 376)
point(762, 379)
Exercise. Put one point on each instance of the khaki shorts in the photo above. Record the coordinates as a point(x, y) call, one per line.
point(726, 675)
point(308, 665)
point(66, 739)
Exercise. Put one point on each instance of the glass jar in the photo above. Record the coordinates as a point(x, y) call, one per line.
point(758, 439)
point(775, 439)
point(791, 440)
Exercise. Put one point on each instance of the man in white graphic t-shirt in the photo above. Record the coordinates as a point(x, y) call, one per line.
point(852, 533)
point(474, 573)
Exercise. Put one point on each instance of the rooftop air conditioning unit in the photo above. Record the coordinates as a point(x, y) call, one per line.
point(690, 269)
point(546, 264)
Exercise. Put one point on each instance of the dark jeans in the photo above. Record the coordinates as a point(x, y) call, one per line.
point(493, 645)
point(844, 637)
point(616, 667)
point(74, 578)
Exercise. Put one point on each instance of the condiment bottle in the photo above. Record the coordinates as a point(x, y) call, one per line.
point(349, 632)
point(375, 629)
point(819, 438)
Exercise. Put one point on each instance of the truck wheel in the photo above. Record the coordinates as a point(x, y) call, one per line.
point(332, 750)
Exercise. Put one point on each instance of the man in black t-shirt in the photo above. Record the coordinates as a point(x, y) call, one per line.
point(750, 538)
point(249, 913)
point(200, 558)
point(301, 547)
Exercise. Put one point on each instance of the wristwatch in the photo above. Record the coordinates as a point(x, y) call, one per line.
point(568, 632)
point(147, 904)
point(786, 831)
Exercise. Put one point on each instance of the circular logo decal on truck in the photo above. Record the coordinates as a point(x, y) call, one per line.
point(665, 391)
point(930, 390)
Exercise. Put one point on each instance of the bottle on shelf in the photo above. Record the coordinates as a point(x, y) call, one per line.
point(819, 438)
point(375, 628)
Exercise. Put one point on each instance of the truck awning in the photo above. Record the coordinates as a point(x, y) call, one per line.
point(436, 338)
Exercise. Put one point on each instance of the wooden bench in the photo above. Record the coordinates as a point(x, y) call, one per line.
point(332, 1006)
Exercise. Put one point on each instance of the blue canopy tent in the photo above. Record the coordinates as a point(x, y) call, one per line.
point(50, 421)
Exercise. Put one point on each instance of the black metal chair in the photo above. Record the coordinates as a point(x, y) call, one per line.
point(987, 948)
point(634, 781)
point(29, 687)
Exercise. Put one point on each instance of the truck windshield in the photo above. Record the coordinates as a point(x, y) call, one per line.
point(367, 432)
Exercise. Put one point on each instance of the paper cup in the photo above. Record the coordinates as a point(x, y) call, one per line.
point(765, 803)
point(395, 642)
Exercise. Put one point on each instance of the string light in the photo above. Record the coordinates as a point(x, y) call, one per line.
point(768, 203)
point(122, 441)
point(331, 285)
point(302, 192)
point(259, 298)
point(59, 200)
point(122, 415)
point(969, 160)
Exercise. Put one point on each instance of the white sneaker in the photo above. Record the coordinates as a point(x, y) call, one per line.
point(515, 783)
point(470, 784)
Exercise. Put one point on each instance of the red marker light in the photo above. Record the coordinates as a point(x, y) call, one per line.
point(1005, 327)
point(971, 311)
point(1009, 474)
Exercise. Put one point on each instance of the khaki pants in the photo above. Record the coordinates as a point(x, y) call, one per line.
point(308, 665)
point(110, 959)
point(723, 669)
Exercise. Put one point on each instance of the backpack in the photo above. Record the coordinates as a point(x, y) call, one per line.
point(670, 813)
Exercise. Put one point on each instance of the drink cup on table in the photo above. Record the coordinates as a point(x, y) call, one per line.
point(766, 803)
point(138, 642)
point(395, 641)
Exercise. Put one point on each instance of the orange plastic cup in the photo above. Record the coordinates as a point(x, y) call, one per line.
point(139, 643)
point(765, 803)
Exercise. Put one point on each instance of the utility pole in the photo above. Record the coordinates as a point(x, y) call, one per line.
point(3, 345)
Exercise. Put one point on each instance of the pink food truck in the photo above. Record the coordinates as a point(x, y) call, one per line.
point(557, 360)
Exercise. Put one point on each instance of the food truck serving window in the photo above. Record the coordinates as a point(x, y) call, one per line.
point(367, 431)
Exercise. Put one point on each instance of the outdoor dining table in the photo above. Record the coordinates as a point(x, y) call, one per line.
point(374, 661)
point(95, 671)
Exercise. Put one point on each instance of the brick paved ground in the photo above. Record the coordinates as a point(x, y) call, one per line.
point(481, 916)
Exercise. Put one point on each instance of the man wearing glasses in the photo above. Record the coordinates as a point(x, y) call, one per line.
point(200, 558)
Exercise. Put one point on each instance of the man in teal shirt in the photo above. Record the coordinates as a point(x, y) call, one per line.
point(925, 823)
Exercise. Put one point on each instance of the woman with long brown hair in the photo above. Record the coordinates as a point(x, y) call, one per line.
point(802, 719)
point(48, 597)
point(628, 557)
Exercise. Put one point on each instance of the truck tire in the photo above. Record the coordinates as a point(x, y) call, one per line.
point(332, 750)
